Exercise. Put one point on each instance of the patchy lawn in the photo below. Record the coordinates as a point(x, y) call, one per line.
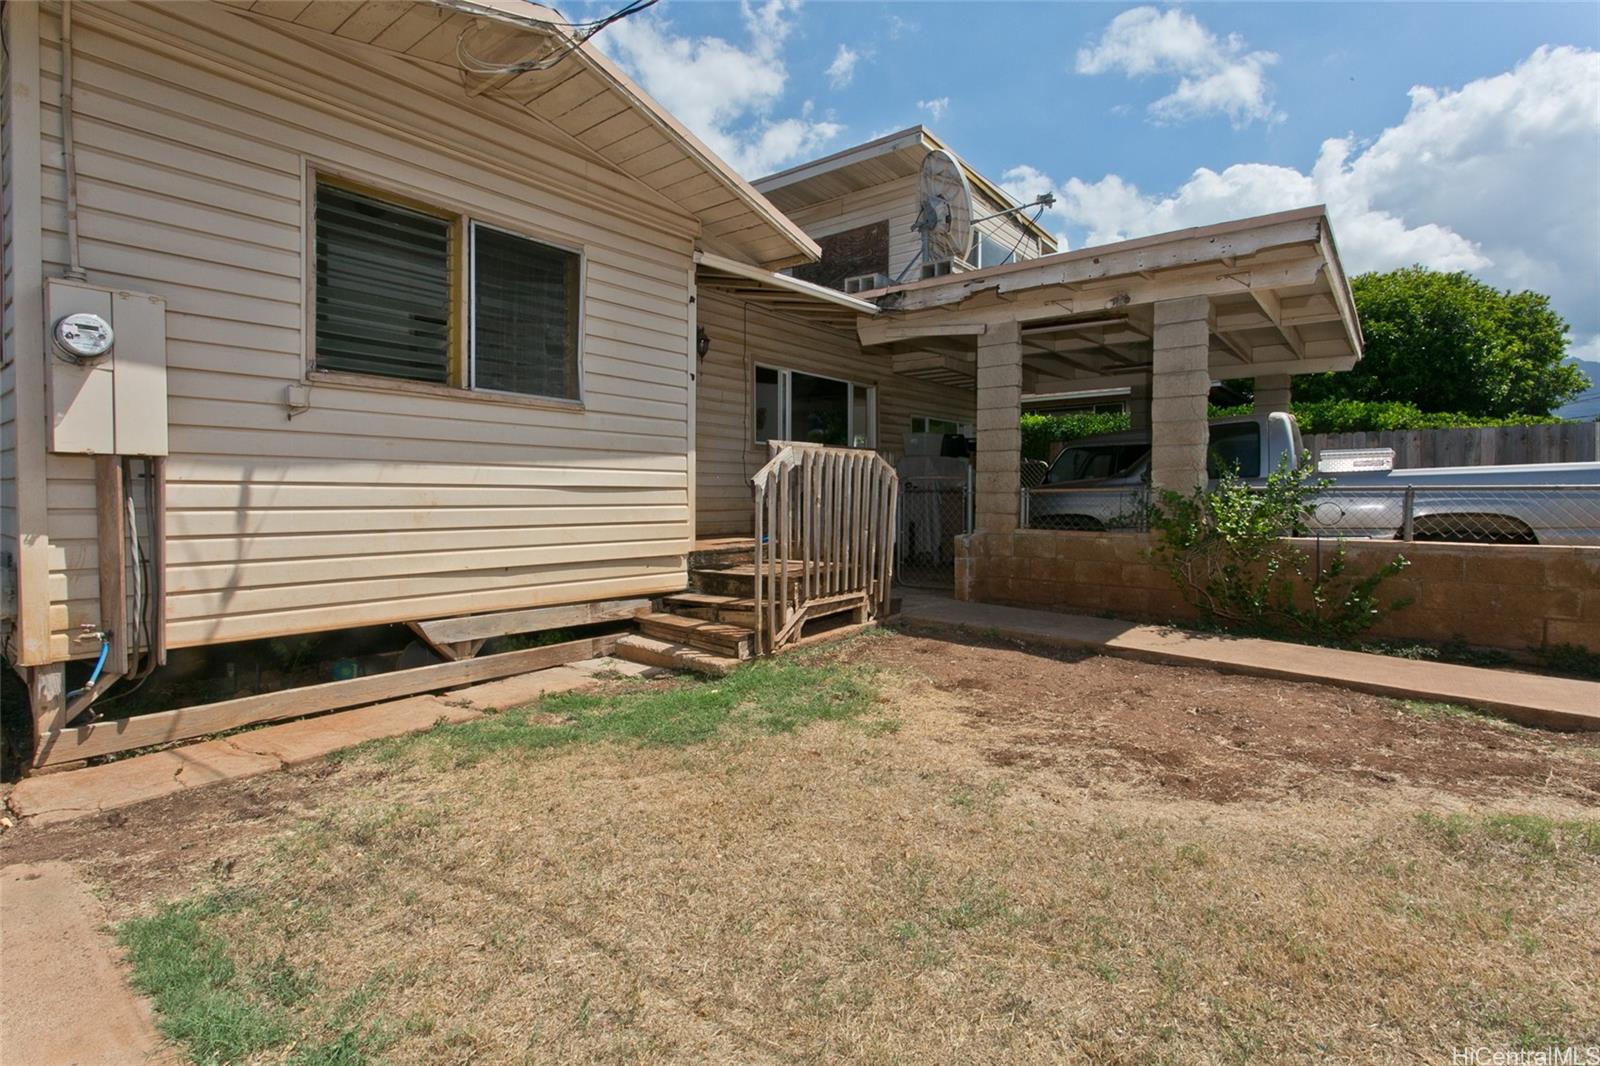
point(895, 849)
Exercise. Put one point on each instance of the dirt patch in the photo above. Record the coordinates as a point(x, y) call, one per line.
point(1007, 858)
point(1200, 734)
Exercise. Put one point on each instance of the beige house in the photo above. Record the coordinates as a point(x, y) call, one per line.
point(791, 365)
point(423, 311)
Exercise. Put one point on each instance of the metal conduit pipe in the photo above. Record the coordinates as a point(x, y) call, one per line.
point(69, 157)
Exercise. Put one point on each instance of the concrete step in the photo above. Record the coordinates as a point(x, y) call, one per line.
point(718, 638)
point(672, 656)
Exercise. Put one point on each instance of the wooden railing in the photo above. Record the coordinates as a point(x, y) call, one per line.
point(824, 533)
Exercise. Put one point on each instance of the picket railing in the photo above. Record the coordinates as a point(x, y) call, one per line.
point(824, 537)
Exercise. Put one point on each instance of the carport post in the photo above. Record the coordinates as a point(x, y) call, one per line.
point(1272, 393)
point(999, 428)
point(1139, 406)
point(1179, 389)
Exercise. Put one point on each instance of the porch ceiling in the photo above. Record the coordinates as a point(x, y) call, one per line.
point(1279, 299)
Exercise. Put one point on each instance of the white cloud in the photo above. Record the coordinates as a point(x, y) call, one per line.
point(1216, 75)
point(725, 92)
point(936, 107)
point(843, 67)
point(1495, 178)
point(898, 27)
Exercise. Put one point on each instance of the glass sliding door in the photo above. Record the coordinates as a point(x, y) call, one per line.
point(819, 410)
point(792, 405)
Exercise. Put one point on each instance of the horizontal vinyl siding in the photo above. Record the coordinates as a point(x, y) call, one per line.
point(726, 456)
point(374, 505)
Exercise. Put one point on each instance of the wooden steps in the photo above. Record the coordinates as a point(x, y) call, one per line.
point(718, 638)
point(734, 610)
point(653, 652)
point(740, 581)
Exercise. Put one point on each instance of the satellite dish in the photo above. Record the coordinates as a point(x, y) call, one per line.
point(944, 217)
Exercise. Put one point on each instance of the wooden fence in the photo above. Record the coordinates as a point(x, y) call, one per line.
point(1571, 442)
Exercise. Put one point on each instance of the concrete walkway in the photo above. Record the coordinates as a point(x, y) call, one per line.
point(1531, 699)
point(73, 794)
point(76, 1010)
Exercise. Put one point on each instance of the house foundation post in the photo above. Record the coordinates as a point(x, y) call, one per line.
point(1273, 393)
point(47, 702)
point(999, 481)
point(1179, 389)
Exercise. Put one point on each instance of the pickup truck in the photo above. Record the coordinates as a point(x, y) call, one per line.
point(1102, 482)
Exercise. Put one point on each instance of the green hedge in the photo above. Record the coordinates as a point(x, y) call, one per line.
point(1040, 431)
point(1325, 416)
point(1356, 416)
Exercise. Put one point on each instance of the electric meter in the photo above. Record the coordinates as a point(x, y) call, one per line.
point(83, 336)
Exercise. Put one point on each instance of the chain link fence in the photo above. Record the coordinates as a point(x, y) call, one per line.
point(1481, 514)
point(933, 512)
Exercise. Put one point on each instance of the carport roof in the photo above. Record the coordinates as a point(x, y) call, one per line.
point(1280, 301)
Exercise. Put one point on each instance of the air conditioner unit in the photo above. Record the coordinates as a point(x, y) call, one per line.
point(866, 283)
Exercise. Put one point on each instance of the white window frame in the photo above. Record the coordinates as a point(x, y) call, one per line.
point(999, 236)
point(471, 375)
point(465, 219)
point(965, 429)
point(785, 405)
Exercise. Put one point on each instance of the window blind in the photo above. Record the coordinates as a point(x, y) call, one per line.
point(383, 288)
point(524, 316)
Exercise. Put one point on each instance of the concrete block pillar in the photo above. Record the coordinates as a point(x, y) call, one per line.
point(1139, 407)
point(1179, 388)
point(999, 474)
point(1272, 393)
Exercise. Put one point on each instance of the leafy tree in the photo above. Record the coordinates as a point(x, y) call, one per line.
point(1449, 342)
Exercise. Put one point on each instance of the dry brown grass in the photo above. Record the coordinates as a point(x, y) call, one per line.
point(879, 890)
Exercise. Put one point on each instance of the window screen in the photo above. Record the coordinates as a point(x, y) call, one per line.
point(524, 315)
point(383, 288)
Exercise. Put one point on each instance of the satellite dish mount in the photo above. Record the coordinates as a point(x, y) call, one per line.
point(944, 213)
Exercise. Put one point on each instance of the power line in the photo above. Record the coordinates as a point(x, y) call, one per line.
point(575, 34)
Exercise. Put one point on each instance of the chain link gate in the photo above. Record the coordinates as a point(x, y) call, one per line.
point(933, 512)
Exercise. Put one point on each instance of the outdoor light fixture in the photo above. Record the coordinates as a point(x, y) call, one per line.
point(702, 341)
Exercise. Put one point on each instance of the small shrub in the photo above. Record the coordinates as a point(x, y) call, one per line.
point(1572, 659)
point(1225, 550)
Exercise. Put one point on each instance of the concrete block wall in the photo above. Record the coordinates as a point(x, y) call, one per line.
point(1515, 598)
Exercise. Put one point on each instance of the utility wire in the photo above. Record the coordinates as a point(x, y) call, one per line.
point(575, 34)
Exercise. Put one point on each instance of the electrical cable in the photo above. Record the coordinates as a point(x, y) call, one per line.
point(137, 628)
point(576, 34)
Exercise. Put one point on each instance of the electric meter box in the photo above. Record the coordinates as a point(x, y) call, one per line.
point(105, 401)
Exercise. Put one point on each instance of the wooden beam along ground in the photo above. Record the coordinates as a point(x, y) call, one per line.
point(536, 620)
point(113, 735)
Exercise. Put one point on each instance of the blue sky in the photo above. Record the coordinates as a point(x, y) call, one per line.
point(1463, 136)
